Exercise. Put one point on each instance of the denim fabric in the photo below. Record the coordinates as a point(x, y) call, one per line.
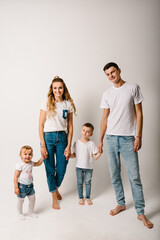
point(84, 174)
point(124, 145)
point(56, 163)
point(25, 190)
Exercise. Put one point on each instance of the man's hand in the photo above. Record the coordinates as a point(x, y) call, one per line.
point(137, 144)
point(100, 147)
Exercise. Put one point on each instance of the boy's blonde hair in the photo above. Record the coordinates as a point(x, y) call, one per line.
point(26, 147)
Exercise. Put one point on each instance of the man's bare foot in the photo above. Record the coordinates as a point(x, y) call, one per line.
point(59, 197)
point(145, 221)
point(55, 203)
point(81, 201)
point(89, 201)
point(117, 210)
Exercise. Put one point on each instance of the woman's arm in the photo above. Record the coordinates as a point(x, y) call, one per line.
point(67, 151)
point(42, 119)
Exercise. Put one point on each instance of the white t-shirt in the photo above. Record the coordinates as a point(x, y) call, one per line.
point(121, 102)
point(26, 176)
point(84, 153)
point(59, 120)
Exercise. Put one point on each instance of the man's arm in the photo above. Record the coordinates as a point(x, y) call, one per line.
point(139, 114)
point(103, 128)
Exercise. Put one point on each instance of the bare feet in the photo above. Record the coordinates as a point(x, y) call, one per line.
point(59, 197)
point(117, 210)
point(89, 201)
point(55, 203)
point(81, 201)
point(145, 221)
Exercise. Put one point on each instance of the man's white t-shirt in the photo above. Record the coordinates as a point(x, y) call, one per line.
point(26, 176)
point(121, 102)
point(59, 120)
point(84, 153)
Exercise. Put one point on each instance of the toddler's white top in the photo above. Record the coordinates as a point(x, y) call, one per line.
point(121, 102)
point(84, 153)
point(59, 120)
point(26, 176)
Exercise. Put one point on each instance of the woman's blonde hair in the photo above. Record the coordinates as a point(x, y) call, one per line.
point(51, 99)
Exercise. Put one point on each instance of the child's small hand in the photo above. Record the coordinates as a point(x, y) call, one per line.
point(16, 191)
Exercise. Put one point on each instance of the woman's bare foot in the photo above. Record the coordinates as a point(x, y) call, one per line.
point(59, 197)
point(145, 221)
point(55, 203)
point(81, 201)
point(117, 210)
point(89, 201)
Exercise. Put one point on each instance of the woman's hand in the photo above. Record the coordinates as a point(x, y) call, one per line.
point(67, 152)
point(44, 152)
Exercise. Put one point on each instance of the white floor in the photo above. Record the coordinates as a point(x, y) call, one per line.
point(73, 221)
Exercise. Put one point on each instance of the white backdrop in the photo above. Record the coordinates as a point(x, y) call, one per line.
point(75, 39)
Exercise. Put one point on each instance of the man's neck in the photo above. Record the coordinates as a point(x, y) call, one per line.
point(119, 83)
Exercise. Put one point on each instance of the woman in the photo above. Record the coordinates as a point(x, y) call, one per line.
point(55, 131)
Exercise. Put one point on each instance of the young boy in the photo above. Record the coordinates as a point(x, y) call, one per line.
point(23, 181)
point(85, 150)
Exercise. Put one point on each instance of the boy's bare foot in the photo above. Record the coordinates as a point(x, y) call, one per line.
point(117, 210)
point(89, 201)
point(81, 201)
point(59, 197)
point(55, 203)
point(145, 221)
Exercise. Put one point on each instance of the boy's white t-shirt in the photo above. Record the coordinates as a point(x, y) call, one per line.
point(59, 120)
point(26, 176)
point(121, 102)
point(84, 153)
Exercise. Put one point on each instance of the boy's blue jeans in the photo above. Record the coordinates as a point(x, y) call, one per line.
point(84, 174)
point(124, 145)
point(56, 163)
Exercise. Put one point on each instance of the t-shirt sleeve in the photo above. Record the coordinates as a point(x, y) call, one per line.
point(137, 95)
point(18, 166)
point(94, 148)
point(70, 108)
point(104, 103)
point(43, 106)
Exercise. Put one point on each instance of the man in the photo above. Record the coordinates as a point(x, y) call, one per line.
point(122, 115)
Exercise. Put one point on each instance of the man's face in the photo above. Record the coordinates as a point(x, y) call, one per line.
point(113, 74)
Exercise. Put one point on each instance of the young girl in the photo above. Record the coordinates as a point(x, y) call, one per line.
point(55, 131)
point(23, 180)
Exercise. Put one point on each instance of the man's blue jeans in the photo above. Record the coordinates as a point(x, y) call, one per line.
point(56, 163)
point(124, 145)
point(84, 174)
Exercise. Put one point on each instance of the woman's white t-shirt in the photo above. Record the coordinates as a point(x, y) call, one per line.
point(84, 153)
point(59, 120)
point(121, 102)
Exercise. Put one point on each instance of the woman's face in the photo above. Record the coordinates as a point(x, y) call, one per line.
point(58, 90)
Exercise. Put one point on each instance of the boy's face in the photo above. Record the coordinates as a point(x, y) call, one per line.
point(26, 155)
point(86, 132)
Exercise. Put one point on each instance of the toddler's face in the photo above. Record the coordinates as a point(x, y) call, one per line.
point(86, 132)
point(26, 155)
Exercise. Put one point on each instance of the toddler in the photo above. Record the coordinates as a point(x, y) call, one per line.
point(23, 181)
point(85, 150)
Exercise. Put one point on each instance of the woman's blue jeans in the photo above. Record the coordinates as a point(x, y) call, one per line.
point(124, 145)
point(56, 163)
point(84, 174)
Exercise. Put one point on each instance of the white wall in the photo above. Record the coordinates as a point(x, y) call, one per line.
point(75, 39)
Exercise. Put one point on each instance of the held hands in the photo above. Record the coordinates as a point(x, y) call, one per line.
point(67, 152)
point(44, 152)
point(100, 147)
point(137, 144)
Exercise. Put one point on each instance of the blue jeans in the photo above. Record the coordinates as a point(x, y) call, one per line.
point(124, 145)
point(56, 163)
point(84, 174)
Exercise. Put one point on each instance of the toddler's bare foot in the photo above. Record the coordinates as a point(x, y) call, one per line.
point(145, 221)
point(89, 201)
point(81, 201)
point(59, 197)
point(117, 210)
point(55, 203)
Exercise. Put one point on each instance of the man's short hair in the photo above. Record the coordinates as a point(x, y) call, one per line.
point(110, 64)
point(89, 125)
